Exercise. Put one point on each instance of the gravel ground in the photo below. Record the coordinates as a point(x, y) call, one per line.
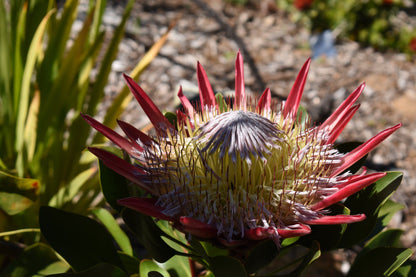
point(274, 49)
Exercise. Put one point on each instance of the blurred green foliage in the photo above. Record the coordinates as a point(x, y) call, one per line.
point(370, 22)
point(46, 81)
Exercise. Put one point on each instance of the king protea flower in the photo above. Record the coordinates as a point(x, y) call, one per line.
point(242, 170)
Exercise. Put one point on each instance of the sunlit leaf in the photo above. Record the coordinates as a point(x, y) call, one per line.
point(12, 203)
point(31, 126)
point(33, 53)
point(112, 226)
point(149, 268)
point(380, 261)
point(67, 193)
point(177, 266)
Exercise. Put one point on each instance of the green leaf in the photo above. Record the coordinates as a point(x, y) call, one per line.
point(25, 186)
point(36, 259)
point(174, 238)
point(33, 54)
point(386, 213)
point(102, 270)
point(380, 261)
point(369, 201)
point(261, 255)
point(58, 36)
point(113, 185)
point(67, 193)
point(82, 241)
point(148, 234)
point(225, 266)
point(408, 269)
point(112, 226)
point(289, 241)
point(131, 264)
point(31, 126)
point(149, 268)
point(177, 266)
point(12, 203)
point(97, 91)
point(53, 268)
point(212, 250)
point(388, 238)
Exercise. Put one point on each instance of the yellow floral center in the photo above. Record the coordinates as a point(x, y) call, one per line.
point(241, 170)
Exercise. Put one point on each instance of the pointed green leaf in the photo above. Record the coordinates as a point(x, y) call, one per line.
point(66, 194)
point(386, 213)
point(112, 226)
point(389, 237)
point(380, 261)
point(82, 241)
point(34, 52)
point(31, 126)
point(105, 68)
point(408, 269)
point(59, 32)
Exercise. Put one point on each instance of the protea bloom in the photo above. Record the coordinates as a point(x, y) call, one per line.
point(240, 170)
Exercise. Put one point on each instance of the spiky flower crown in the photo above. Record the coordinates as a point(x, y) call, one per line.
point(240, 170)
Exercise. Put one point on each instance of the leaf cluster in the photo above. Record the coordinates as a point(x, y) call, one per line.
point(49, 75)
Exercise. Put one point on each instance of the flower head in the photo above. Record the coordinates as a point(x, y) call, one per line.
point(240, 170)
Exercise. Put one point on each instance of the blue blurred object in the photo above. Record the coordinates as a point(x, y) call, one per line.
point(323, 45)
